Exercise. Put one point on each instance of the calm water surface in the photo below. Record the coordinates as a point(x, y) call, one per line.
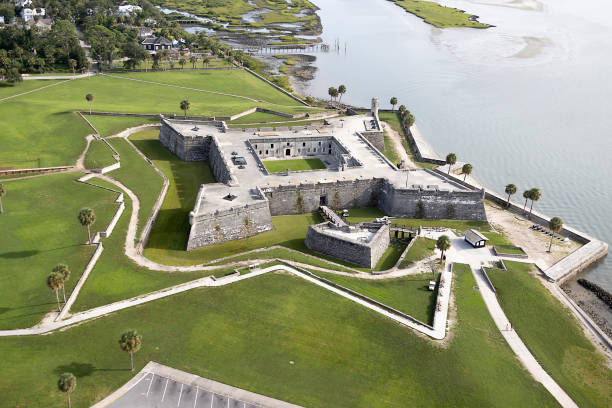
point(528, 102)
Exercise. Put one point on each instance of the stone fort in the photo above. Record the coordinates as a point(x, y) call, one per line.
point(246, 195)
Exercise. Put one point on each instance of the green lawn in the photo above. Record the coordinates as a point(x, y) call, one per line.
point(139, 176)
point(496, 238)
point(509, 249)
point(335, 344)
point(171, 229)
point(38, 230)
point(25, 86)
point(390, 152)
point(553, 335)
point(279, 166)
point(408, 294)
point(390, 256)
point(439, 16)
point(98, 155)
point(110, 125)
point(421, 249)
point(54, 135)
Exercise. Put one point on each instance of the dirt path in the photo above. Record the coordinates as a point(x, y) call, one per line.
point(396, 139)
point(534, 243)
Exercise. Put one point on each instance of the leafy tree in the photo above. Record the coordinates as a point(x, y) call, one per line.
point(467, 170)
point(2, 194)
point(67, 383)
point(185, 105)
point(87, 217)
point(451, 159)
point(341, 91)
point(555, 224)
point(89, 98)
point(443, 244)
point(135, 54)
point(64, 273)
point(103, 42)
point(534, 196)
point(510, 190)
point(130, 342)
point(393, 102)
point(54, 282)
point(193, 60)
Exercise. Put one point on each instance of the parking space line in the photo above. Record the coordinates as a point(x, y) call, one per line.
point(151, 383)
point(180, 395)
point(212, 398)
point(165, 388)
point(195, 401)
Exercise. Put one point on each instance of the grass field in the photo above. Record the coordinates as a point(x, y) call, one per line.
point(509, 249)
point(54, 134)
point(409, 294)
point(553, 335)
point(421, 249)
point(390, 152)
point(136, 174)
point(279, 166)
point(336, 345)
point(171, 228)
point(25, 86)
point(110, 125)
point(98, 155)
point(39, 229)
point(439, 16)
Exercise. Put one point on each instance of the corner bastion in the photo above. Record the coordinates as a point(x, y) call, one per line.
point(245, 197)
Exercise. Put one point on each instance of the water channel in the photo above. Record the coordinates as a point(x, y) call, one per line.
point(526, 102)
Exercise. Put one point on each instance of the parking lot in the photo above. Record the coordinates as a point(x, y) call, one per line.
point(158, 386)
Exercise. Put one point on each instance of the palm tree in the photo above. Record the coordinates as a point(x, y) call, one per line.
point(89, 98)
point(64, 273)
point(467, 170)
point(206, 61)
point(332, 91)
point(54, 282)
point(67, 383)
point(451, 159)
point(535, 195)
point(341, 90)
point(182, 63)
point(443, 244)
point(402, 109)
point(147, 57)
point(130, 342)
point(526, 196)
point(2, 194)
point(185, 105)
point(393, 102)
point(555, 224)
point(510, 189)
point(72, 65)
point(87, 217)
point(193, 61)
point(88, 68)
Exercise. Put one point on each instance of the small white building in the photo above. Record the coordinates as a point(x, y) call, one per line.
point(128, 9)
point(28, 14)
point(475, 238)
point(2, 20)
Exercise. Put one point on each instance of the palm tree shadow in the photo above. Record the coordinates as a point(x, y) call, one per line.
point(19, 254)
point(78, 369)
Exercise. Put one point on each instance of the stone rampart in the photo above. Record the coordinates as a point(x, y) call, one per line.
point(308, 197)
point(431, 203)
point(219, 163)
point(228, 225)
point(319, 238)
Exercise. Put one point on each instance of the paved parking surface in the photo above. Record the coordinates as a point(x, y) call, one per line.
point(155, 391)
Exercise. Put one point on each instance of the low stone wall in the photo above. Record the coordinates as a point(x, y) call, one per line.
point(229, 225)
point(35, 170)
point(366, 254)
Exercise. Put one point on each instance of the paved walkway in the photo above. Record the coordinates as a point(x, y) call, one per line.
point(438, 332)
point(34, 78)
point(517, 345)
